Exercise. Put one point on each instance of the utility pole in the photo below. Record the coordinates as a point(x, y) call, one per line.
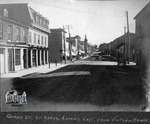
point(125, 51)
point(70, 44)
point(128, 37)
point(64, 43)
point(85, 45)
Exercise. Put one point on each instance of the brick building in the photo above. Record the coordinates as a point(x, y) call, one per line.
point(57, 45)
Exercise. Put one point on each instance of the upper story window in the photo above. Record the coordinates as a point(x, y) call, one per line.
point(38, 39)
point(40, 21)
point(42, 40)
point(34, 37)
point(34, 16)
point(30, 35)
point(45, 41)
point(1, 31)
point(44, 23)
point(23, 37)
point(9, 32)
point(37, 19)
point(5, 12)
point(17, 33)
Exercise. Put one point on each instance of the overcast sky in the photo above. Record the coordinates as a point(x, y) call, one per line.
point(102, 21)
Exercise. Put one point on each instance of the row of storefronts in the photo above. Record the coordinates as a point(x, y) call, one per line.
point(17, 58)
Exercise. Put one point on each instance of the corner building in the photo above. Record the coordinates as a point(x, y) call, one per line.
point(23, 38)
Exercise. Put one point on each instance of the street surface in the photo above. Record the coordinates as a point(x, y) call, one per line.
point(81, 86)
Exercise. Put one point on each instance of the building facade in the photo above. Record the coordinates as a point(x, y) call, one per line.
point(27, 35)
point(142, 20)
point(120, 46)
point(13, 38)
point(57, 45)
point(38, 39)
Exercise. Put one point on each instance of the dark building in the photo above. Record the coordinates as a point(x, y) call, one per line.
point(120, 45)
point(86, 45)
point(57, 45)
point(142, 20)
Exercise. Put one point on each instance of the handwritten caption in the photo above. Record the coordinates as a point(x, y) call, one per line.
point(80, 119)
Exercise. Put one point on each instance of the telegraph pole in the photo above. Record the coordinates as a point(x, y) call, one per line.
point(64, 44)
point(125, 52)
point(128, 37)
point(69, 43)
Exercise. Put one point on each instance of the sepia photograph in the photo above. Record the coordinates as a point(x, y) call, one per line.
point(75, 59)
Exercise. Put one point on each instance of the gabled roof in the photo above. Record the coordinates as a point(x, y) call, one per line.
point(18, 12)
point(145, 7)
point(22, 13)
point(32, 11)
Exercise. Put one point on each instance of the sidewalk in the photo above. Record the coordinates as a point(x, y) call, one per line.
point(39, 69)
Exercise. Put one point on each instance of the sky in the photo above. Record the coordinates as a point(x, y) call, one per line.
point(101, 20)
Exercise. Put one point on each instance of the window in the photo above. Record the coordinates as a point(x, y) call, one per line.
point(17, 34)
point(45, 41)
point(42, 40)
point(34, 37)
point(17, 57)
point(34, 17)
point(5, 12)
point(1, 31)
point(38, 39)
point(30, 35)
point(23, 38)
point(40, 21)
point(37, 19)
point(9, 32)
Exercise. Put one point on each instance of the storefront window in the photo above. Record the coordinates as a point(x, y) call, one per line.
point(17, 57)
point(1, 31)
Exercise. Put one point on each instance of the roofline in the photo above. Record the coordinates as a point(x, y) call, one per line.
point(58, 29)
point(38, 13)
point(12, 3)
point(142, 10)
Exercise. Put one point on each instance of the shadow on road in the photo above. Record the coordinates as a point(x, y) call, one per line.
point(106, 85)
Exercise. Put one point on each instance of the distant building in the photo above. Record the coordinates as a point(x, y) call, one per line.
point(58, 47)
point(86, 45)
point(120, 45)
point(36, 31)
point(81, 50)
point(142, 20)
point(78, 47)
point(74, 49)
